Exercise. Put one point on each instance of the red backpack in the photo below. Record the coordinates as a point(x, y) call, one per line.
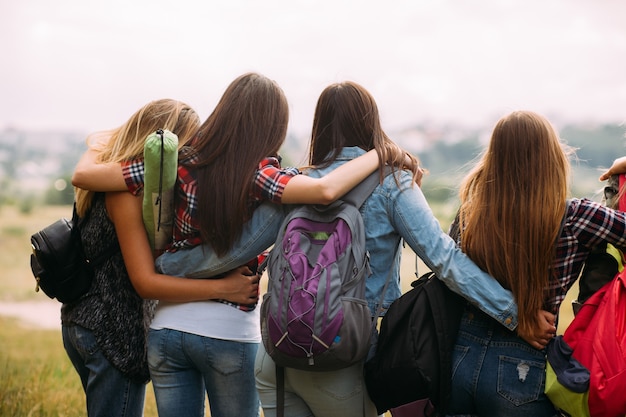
point(597, 337)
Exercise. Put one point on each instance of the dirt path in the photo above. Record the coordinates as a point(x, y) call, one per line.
point(45, 314)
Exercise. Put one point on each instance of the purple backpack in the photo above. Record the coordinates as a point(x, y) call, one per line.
point(314, 315)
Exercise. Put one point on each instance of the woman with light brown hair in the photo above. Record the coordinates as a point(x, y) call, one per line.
point(517, 224)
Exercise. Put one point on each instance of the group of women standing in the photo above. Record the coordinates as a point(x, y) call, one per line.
point(204, 334)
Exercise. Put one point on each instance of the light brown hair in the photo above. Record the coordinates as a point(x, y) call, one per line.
point(512, 206)
point(347, 115)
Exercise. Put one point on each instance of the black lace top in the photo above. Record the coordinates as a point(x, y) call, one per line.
point(111, 309)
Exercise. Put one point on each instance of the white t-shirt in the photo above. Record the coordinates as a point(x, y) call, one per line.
point(209, 319)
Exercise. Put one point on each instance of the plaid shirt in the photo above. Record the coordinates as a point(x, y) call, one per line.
point(587, 224)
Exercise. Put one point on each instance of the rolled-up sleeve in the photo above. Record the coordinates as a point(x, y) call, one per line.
point(133, 172)
point(270, 180)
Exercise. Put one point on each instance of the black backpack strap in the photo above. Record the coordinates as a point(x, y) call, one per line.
point(280, 391)
point(447, 309)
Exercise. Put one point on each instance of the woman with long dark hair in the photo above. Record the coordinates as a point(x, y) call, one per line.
point(346, 125)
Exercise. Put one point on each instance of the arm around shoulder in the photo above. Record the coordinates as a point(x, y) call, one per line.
point(302, 189)
point(415, 222)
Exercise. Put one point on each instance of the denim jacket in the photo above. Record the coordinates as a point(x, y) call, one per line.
point(390, 214)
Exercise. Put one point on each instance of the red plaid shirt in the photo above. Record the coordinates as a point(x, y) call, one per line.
point(270, 181)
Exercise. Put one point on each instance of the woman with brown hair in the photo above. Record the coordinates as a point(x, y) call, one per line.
point(517, 224)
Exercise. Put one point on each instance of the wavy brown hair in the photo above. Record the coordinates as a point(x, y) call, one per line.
point(248, 124)
point(347, 115)
point(512, 205)
point(127, 141)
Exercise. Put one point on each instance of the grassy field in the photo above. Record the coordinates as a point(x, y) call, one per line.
point(36, 377)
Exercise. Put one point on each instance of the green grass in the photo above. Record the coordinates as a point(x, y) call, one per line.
point(16, 280)
point(36, 377)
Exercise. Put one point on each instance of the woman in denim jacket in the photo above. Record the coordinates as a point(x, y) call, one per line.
point(346, 125)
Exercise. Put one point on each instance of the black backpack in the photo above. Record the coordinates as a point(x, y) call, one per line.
point(414, 352)
point(58, 261)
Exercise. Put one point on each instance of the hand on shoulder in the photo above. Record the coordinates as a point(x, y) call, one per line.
point(618, 167)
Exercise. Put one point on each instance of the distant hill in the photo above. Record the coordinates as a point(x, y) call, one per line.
point(31, 161)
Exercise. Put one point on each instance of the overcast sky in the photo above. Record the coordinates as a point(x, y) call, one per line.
point(88, 65)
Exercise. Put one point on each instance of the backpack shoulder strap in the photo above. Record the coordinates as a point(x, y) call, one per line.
point(447, 309)
point(361, 192)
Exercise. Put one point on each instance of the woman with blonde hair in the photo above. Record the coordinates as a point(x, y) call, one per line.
point(517, 224)
point(104, 331)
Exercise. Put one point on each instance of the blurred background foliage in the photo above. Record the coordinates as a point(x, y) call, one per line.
point(36, 167)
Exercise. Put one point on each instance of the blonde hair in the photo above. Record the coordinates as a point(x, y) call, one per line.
point(512, 206)
point(127, 141)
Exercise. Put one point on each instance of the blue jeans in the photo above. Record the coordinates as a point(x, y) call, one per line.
point(495, 373)
point(183, 365)
point(108, 391)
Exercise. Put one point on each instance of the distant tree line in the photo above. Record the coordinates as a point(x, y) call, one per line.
point(447, 161)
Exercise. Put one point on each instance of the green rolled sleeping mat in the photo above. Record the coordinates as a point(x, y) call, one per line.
point(160, 172)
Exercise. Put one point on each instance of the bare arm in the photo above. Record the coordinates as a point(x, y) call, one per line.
point(303, 189)
point(94, 176)
point(90, 175)
point(618, 167)
point(125, 210)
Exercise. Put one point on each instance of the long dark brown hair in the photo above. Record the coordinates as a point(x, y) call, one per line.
point(512, 205)
point(347, 115)
point(248, 124)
